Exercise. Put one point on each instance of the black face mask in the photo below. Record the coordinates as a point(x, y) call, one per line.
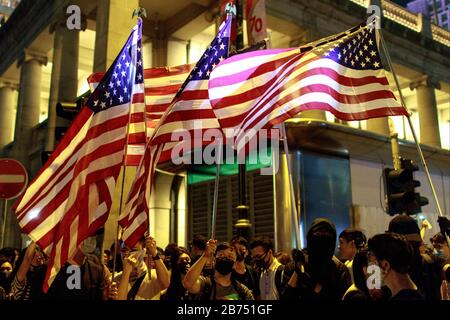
point(183, 267)
point(260, 263)
point(224, 266)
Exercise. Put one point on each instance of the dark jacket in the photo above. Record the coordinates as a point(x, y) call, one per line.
point(320, 266)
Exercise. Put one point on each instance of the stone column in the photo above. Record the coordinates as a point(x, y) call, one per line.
point(283, 207)
point(29, 106)
point(7, 92)
point(113, 27)
point(64, 79)
point(159, 52)
point(379, 125)
point(428, 113)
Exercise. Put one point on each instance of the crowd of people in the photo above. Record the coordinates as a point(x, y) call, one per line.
point(395, 265)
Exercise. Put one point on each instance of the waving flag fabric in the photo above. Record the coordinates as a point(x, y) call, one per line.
point(71, 196)
point(189, 112)
point(343, 74)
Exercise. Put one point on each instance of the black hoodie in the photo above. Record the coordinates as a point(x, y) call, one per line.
point(321, 267)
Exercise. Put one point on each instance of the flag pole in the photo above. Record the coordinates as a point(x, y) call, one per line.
point(124, 170)
point(419, 148)
point(216, 191)
point(229, 11)
point(294, 212)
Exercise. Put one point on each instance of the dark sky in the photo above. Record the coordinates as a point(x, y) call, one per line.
point(402, 2)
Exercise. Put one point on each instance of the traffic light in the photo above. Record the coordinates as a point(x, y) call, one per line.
point(399, 186)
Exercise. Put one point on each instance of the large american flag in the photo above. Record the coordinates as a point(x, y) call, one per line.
point(190, 112)
point(71, 196)
point(342, 74)
point(161, 86)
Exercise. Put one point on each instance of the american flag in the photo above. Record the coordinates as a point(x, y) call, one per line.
point(161, 86)
point(71, 196)
point(342, 74)
point(189, 112)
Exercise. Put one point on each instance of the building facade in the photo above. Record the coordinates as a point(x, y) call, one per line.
point(437, 10)
point(336, 166)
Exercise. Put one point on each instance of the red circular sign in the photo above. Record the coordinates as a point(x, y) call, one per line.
point(13, 178)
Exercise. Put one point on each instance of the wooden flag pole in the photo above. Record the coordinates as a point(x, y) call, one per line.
point(402, 100)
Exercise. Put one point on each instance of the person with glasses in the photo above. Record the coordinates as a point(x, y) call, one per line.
point(271, 271)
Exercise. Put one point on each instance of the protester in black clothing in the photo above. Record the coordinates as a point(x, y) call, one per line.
point(82, 277)
point(5, 275)
point(317, 273)
point(181, 263)
point(242, 272)
point(394, 256)
point(425, 270)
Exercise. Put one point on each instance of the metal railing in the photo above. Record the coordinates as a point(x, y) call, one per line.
point(401, 15)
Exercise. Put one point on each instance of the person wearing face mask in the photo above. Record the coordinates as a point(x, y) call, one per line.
point(243, 272)
point(272, 277)
point(92, 283)
point(181, 263)
point(139, 281)
point(394, 256)
point(220, 286)
point(442, 252)
point(5, 279)
point(317, 274)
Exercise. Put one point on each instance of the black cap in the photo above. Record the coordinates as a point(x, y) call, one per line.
point(406, 226)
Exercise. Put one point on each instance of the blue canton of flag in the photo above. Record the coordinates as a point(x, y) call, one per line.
point(214, 54)
point(116, 87)
point(356, 49)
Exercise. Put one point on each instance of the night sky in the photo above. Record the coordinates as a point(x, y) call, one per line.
point(402, 2)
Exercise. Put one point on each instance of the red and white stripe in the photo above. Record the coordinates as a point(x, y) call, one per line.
point(161, 86)
point(71, 196)
point(257, 90)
